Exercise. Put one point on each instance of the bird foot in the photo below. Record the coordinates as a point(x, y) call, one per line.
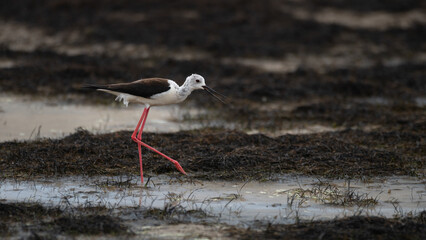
point(177, 165)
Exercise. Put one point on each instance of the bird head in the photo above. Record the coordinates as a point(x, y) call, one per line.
point(196, 81)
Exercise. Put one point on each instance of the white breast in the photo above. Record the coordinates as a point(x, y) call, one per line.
point(169, 97)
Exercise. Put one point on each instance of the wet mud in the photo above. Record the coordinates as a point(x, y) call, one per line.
point(34, 220)
point(348, 228)
point(46, 222)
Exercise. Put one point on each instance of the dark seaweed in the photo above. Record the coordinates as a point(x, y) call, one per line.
point(214, 154)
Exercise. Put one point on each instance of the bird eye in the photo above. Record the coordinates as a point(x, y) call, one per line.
point(197, 81)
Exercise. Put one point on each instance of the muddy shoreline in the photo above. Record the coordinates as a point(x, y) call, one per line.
point(51, 222)
point(372, 227)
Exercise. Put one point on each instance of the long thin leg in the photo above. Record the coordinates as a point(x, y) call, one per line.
point(139, 123)
point(146, 111)
point(138, 139)
point(142, 119)
point(176, 163)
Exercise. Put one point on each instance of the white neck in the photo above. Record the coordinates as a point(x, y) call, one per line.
point(185, 90)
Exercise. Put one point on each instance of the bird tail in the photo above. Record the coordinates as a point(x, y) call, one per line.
point(94, 86)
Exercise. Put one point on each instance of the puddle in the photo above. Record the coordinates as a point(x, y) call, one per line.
point(334, 60)
point(22, 37)
point(229, 202)
point(378, 101)
point(421, 101)
point(24, 119)
point(301, 130)
point(375, 20)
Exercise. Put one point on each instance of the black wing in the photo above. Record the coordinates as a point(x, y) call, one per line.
point(142, 88)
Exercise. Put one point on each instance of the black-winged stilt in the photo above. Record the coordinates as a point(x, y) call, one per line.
point(154, 92)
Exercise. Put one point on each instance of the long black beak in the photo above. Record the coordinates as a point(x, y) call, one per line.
point(215, 94)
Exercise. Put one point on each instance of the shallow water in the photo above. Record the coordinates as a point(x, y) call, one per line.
point(229, 202)
point(25, 118)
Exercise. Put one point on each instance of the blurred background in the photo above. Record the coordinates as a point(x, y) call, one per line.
point(289, 66)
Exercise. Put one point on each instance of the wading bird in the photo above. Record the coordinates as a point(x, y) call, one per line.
point(155, 92)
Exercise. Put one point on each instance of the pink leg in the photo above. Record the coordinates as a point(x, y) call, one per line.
point(138, 139)
point(143, 118)
point(177, 165)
